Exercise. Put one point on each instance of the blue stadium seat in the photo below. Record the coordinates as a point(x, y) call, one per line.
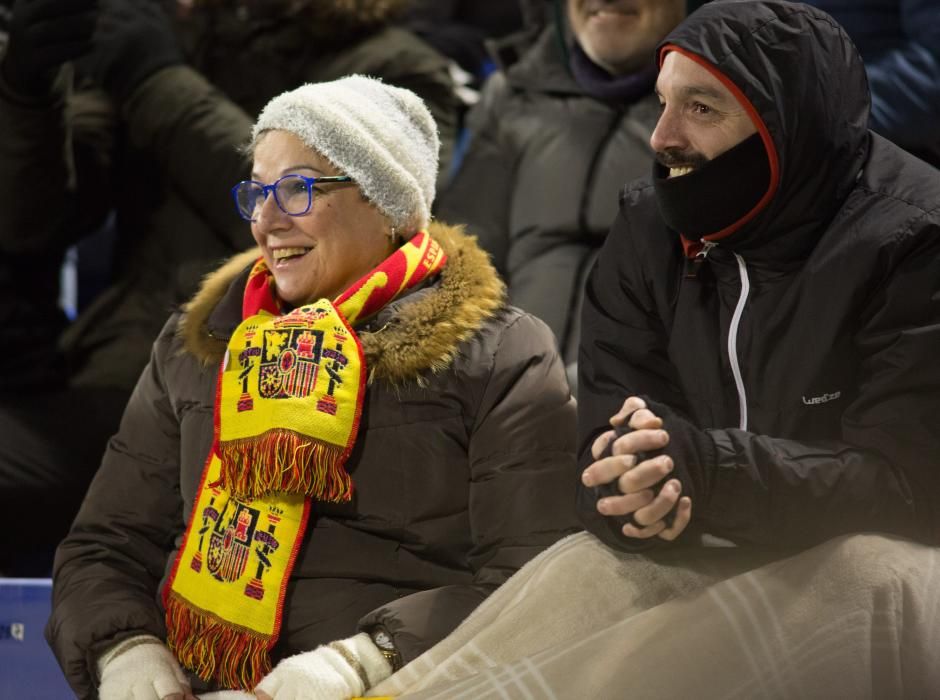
point(28, 669)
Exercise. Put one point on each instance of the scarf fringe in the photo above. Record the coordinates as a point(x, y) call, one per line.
point(214, 650)
point(281, 460)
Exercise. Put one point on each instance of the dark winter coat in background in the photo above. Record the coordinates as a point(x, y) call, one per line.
point(459, 29)
point(796, 369)
point(538, 184)
point(463, 470)
point(899, 40)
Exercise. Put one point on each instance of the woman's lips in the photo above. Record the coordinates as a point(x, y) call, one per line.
point(284, 256)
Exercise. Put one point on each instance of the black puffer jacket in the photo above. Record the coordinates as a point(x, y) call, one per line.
point(463, 467)
point(539, 181)
point(820, 414)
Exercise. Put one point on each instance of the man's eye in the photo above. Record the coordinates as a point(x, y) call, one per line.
point(699, 108)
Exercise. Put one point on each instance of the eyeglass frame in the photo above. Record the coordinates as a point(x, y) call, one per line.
point(267, 190)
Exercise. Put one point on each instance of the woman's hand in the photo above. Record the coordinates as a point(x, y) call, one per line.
point(336, 671)
point(143, 671)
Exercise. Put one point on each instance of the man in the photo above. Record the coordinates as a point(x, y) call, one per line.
point(763, 319)
point(761, 328)
point(556, 133)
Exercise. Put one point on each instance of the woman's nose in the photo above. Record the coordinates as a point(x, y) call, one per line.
point(268, 213)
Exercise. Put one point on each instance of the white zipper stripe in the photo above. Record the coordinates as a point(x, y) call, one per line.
point(733, 340)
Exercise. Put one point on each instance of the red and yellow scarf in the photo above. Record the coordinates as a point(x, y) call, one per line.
point(288, 402)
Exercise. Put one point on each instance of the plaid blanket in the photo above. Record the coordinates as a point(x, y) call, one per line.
point(855, 617)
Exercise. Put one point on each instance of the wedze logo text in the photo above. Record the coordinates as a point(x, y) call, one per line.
point(825, 398)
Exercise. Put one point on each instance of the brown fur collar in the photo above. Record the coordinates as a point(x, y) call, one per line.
point(424, 333)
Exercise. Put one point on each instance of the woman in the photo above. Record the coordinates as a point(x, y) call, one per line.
point(339, 448)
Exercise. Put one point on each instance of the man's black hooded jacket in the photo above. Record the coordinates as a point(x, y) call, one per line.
point(796, 366)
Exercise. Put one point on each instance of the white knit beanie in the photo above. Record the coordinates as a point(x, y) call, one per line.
point(381, 136)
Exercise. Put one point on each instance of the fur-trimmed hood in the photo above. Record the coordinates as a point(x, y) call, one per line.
point(418, 333)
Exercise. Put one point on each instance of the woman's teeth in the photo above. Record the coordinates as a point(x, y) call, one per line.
point(679, 172)
point(284, 253)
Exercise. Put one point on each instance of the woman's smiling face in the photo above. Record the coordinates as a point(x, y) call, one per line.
point(323, 252)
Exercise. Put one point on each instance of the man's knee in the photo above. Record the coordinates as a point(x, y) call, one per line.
point(877, 561)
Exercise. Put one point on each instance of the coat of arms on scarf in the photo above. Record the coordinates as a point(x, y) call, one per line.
point(230, 533)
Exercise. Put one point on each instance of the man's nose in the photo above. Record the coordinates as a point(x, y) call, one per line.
point(668, 132)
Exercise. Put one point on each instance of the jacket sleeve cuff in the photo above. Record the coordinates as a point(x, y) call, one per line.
point(361, 652)
point(692, 451)
point(345, 668)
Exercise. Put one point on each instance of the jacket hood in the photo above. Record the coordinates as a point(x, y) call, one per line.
point(543, 66)
point(535, 59)
point(804, 84)
point(418, 333)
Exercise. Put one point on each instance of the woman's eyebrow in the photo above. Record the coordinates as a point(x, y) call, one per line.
point(303, 167)
point(290, 169)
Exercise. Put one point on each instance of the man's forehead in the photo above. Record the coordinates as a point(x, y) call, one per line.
point(682, 77)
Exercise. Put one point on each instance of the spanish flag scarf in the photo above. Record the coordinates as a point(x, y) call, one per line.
point(288, 401)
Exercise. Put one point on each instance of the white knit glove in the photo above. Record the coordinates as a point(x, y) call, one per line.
point(141, 668)
point(336, 671)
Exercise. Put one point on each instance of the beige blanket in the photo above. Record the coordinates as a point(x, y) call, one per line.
point(856, 617)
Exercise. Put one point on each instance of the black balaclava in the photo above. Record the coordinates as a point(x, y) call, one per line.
point(716, 195)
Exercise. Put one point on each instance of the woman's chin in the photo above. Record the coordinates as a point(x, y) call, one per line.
point(291, 291)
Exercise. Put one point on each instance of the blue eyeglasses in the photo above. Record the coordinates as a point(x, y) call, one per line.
point(293, 194)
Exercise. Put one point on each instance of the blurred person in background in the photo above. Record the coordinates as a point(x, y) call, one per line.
point(129, 115)
point(461, 29)
point(559, 129)
point(340, 447)
point(899, 40)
